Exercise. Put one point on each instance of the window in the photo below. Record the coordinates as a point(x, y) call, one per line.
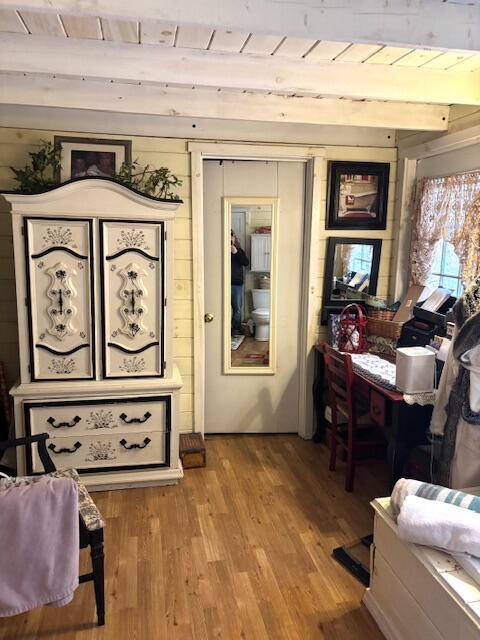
point(446, 269)
point(361, 258)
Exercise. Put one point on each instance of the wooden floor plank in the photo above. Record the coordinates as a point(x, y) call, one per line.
point(240, 549)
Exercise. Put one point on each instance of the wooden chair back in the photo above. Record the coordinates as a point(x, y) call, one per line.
point(339, 372)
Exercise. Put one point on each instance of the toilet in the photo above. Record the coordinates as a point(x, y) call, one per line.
point(261, 314)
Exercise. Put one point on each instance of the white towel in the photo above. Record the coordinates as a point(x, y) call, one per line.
point(439, 524)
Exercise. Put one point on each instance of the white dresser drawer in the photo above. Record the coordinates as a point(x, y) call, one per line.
point(95, 417)
point(107, 452)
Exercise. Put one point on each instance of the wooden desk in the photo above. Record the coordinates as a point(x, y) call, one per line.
point(404, 425)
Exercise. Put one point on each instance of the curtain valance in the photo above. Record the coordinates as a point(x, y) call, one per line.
point(447, 208)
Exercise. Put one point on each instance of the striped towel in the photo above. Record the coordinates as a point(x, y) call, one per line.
point(404, 488)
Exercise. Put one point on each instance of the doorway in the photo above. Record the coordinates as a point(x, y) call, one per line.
point(252, 369)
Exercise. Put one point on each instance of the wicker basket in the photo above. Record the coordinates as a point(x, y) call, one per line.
point(380, 314)
point(384, 328)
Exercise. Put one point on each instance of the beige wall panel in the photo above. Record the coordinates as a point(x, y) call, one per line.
point(183, 269)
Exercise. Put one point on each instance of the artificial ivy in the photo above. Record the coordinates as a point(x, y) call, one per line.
point(39, 175)
point(154, 182)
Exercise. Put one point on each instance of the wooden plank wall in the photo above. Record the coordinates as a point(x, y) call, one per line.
point(15, 144)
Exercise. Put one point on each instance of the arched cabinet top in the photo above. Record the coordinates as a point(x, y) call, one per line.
point(87, 197)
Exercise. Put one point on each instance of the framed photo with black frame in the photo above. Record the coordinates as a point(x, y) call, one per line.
point(94, 157)
point(357, 195)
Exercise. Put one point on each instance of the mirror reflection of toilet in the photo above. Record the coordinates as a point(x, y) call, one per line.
point(261, 314)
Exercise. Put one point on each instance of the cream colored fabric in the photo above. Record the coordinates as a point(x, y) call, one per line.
point(466, 461)
point(465, 469)
point(467, 243)
point(471, 361)
point(447, 208)
point(448, 377)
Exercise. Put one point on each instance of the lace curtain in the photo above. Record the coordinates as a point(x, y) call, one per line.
point(347, 255)
point(447, 208)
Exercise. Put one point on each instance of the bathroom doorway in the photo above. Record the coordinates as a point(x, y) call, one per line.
point(253, 237)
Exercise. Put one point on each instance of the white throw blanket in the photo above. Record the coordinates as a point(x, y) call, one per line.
point(39, 548)
point(439, 524)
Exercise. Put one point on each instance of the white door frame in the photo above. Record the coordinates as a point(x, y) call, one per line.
point(314, 157)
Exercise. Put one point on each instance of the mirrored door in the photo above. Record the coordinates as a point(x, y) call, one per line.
point(249, 285)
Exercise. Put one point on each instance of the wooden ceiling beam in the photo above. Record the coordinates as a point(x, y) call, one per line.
point(413, 23)
point(101, 60)
point(196, 103)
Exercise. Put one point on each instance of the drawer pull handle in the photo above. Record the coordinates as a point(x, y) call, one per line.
point(123, 416)
point(76, 446)
point(73, 422)
point(135, 445)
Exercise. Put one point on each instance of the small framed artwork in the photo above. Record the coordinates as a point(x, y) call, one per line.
point(92, 157)
point(357, 195)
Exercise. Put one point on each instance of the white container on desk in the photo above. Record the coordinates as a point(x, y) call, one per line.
point(415, 370)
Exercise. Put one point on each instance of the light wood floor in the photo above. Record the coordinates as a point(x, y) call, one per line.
point(240, 549)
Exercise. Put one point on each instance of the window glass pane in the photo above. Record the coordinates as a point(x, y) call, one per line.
point(361, 258)
point(449, 283)
point(437, 261)
point(451, 263)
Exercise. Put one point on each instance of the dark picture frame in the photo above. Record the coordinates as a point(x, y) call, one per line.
point(94, 157)
point(357, 195)
point(329, 303)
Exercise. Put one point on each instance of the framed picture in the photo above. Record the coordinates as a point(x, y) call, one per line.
point(91, 157)
point(357, 195)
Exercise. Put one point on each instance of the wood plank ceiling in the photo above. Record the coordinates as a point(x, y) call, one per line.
point(203, 38)
point(47, 52)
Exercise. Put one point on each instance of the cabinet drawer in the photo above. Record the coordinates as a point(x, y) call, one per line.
point(107, 452)
point(95, 417)
point(378, 409)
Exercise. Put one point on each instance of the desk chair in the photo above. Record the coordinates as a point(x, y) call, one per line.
point(90, 520)
point(340, 379)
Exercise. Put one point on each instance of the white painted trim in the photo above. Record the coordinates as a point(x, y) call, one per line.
point(316, 176)
point(155, 100)
point(198, 292)
point(443, 144)
point(232, 151)
point(403, 225)
point(198, 152)
point(70, 190)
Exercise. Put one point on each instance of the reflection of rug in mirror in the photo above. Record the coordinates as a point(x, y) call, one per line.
point(256, 359)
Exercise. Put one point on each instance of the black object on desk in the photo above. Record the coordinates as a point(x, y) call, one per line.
point(425, 325)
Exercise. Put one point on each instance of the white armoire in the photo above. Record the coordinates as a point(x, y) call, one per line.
point(94, 280)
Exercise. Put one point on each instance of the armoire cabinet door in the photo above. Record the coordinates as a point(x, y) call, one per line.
point(59, 297)
point(133, 293)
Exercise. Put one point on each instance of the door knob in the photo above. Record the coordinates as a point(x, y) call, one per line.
point(208, 317)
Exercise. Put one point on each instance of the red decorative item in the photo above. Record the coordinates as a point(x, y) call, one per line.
point(353, 330)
